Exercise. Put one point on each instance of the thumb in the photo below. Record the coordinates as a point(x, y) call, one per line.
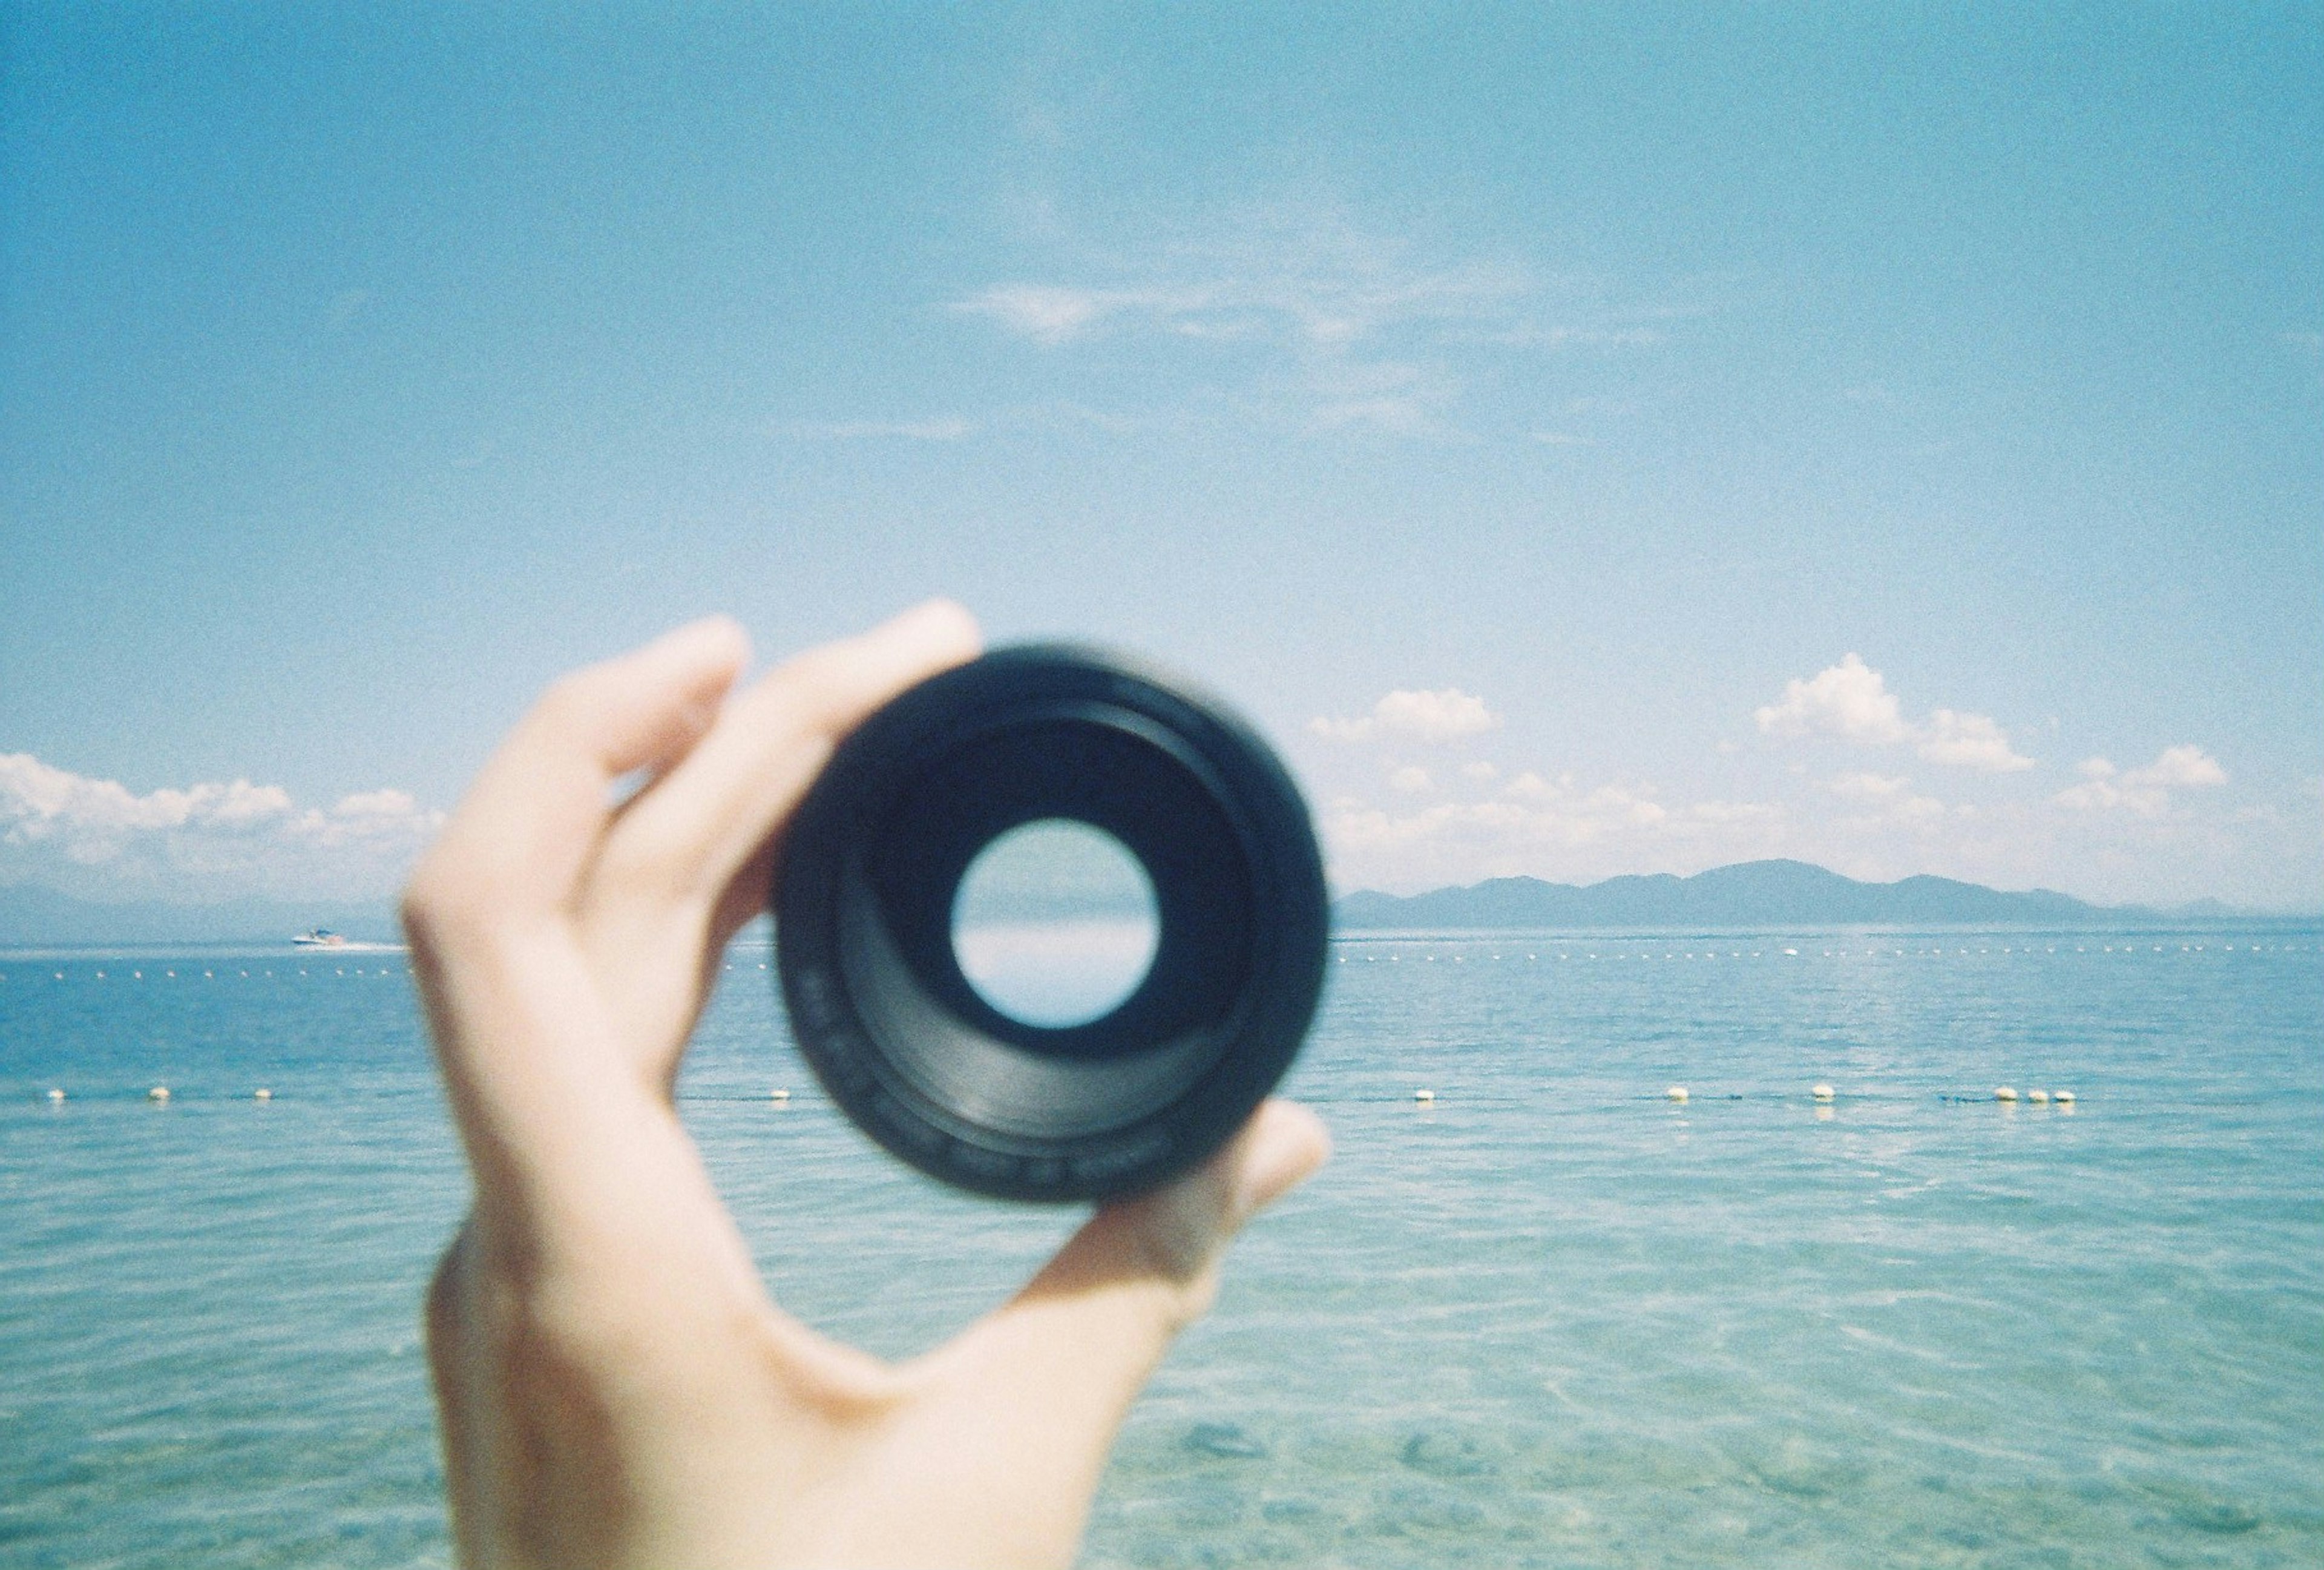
point(1057, 1369)
point(1179, 1233)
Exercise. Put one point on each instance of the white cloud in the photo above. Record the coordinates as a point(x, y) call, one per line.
point(1414, 715)
point(377, 805)
point(2184, 765)
point(2157, 833)
point(1969, 741)
point(1848, 700)
point(98, 839)
point(1411, 780)
point(2144, 793)
point(37, 800)
point(1870, 787)
point(1851, 701)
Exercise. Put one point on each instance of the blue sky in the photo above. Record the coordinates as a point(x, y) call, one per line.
point(1523, 413)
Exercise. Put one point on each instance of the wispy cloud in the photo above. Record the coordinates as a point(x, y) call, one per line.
point(1540, 824)
point(1887, 798)
point(2144, 792)
point(1851, 701)
point(950, 428)
point(1412, 716)
point(1324, 285)
point(1348, 329)
point(1054, 314)
point(99, 839)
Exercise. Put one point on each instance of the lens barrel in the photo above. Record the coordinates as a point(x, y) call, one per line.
point(863, 918)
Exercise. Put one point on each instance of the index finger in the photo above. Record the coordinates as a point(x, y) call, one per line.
point(700, 824)
point(529, 824)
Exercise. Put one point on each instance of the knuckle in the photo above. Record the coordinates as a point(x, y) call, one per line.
point(421, 909)
point(570, 703)
point(444, 904)
point(574, 692)
point(817, 695)
point(562, 710)
point(645, 862)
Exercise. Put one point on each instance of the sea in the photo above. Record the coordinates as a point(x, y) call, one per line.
point(1547, 1315)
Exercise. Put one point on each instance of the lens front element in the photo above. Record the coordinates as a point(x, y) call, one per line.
point(1170, 967)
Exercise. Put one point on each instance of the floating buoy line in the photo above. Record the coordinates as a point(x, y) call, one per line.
point(1351, 948)
point(1821, 1097)
point(1347, 949)
point(10, 972)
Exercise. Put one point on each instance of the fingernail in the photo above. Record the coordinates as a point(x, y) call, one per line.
point(941, 617)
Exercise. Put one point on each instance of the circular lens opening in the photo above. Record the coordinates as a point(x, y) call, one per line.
point(1054, 924)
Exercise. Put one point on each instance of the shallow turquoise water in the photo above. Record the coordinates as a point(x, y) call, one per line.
point(1551, 1318)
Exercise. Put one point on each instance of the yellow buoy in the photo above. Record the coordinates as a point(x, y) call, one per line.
point(158, 1092)
point(1676, 1092)
point(56, 1095)
point(2064, 1098)
point(2038, 1097)
point(1424, 1095)
point(1822, 1093)
point(2004, 1093)
point(262, 1093)
point(778, 1093)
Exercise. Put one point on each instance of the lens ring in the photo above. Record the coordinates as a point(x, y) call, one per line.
point(918, 1058)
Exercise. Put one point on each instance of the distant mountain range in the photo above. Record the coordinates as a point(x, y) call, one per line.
point(1753, 894)
point(1778, 894)
point(36, 918)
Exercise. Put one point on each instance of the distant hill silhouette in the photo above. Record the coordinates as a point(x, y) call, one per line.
point(1751, 894)
point(1777, 893)
point(36, 918)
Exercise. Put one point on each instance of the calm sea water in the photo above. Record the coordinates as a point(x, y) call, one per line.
point(1551, 1319)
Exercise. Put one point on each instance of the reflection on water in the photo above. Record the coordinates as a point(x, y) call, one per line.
point(1547, 1318)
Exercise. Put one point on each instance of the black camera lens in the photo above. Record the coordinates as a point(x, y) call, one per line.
point(1072, 1101)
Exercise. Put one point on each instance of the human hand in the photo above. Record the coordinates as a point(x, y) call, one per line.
point(616, 1388)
